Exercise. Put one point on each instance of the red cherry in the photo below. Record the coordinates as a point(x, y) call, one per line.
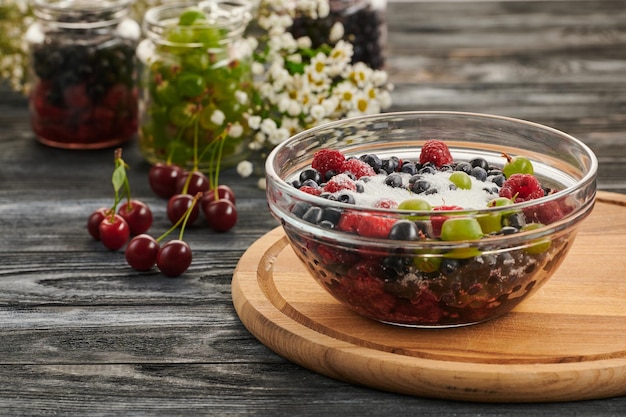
point(220, 214)
point(93, 223)
point(141, 252)
point(198, 183)
point(162, 178)
point(138, 216)
point(174, 258)
point(178, 205)
point(223, 191)
point(114, 232)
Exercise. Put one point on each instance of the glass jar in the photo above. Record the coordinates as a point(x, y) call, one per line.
point(363, 24)
point(196, 84)
point(82, 73)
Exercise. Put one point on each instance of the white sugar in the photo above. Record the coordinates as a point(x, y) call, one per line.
point(474, 198)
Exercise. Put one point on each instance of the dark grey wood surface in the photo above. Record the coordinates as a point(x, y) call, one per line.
point(82, 334)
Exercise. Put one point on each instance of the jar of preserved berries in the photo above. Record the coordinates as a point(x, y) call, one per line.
point(195, 84)
point(82, 73)
point(361, 22)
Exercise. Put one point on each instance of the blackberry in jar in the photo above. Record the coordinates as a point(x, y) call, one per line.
point(82, 73)
point(364, 26)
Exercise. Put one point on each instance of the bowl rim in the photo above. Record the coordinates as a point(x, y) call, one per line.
point(284, 186)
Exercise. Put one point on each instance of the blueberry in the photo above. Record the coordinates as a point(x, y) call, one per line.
point(427, 169)
point(497, 179)
point(395, 266)
point(372, 160)
point(310, 174)
point(310, 183)
point(313, 215)
point(421, 186)
point(464, 167)
point(300, 208)
point(329, 174)
point(479, 173)
point(516, 220)
point(404, 230)
point(409, 168)
point(479, 162)
point(449, 266)
point(332, 215)
point(394, 180)
point(390, 165)
point(345, 197)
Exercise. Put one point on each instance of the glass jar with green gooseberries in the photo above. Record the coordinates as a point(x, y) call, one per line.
point(195, 84)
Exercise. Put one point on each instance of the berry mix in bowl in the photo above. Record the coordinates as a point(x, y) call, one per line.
point(431, 219)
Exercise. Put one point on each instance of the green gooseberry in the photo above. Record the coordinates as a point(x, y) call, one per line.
point(517, 165)
point(209, 37)
point(461, 180)
point(180, 114)
point(461, 228)
point(190, 84)
point(191, 16)
point(165, 93)
point(492, 223)
point(415, 204)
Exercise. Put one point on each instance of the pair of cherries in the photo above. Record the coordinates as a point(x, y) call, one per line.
point(179, 186)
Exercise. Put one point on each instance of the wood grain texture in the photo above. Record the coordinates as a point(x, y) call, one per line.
point(82, 334)
point(567, 342)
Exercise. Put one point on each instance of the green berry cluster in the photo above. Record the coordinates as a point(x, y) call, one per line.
point(193, 87)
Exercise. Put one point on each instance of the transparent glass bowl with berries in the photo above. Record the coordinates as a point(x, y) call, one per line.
point(431, 219)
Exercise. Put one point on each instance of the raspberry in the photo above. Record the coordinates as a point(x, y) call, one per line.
point(435, 152)
point(310, 190)
point(374, 226)
point(330, 255)
point(386, 203)
point(339, 183)
point(326, 160)
point(348, 222)
point(522, 187)
point(358, 168)
point(547, 213)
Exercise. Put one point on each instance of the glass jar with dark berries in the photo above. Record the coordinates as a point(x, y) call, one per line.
point(360, 22)
point(196, 84)
point(83, 73)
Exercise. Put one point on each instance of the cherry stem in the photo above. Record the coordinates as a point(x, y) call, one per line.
point(187, 214)
point(216, 147)
point(120, 179)
point(182, 220)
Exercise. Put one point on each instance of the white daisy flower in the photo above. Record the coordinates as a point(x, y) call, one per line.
point(245, 168)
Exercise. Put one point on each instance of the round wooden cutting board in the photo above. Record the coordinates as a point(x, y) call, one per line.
point(566, 342)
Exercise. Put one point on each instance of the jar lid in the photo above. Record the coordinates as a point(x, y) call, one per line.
point(80, 12)
point(231, 15)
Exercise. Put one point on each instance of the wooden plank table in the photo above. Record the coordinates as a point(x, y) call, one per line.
point(82, 334)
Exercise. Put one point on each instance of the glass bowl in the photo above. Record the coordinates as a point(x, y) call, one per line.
point(417, 278)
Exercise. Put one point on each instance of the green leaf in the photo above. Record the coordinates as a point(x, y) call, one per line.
point(294, 67)
point(119, 177)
